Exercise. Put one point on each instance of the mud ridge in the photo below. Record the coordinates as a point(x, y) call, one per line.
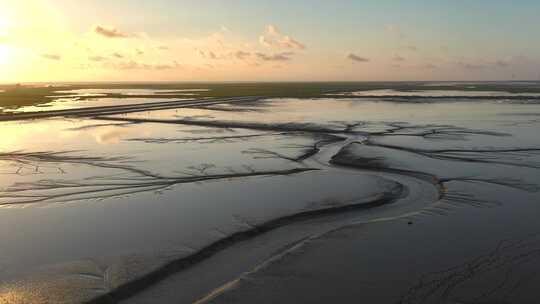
point(136, 286)
point(286, 127)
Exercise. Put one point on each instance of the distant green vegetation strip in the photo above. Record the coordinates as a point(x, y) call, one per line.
point(14, 96)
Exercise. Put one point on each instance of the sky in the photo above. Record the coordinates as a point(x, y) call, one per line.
point(237, 40)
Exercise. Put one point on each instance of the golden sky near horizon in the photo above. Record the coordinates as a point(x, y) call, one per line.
point(60, 40)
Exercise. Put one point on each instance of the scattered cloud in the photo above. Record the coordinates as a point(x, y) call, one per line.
point(273, 38)
point(391, 28)
point(485, 64)
point(241, 55)
point(129, 65)
point(118, 55)
point(412, 48)
point(357, 58)
point(398, 58)
point(394, 29)
point(109, 32)
point(428, 66)
point(51, 56)
point(502, 63)
point(414, 66)
point(231, 54)
point(134, 65)
point(139, 52)
point(207, 54)
point(223, 28)
point(284, 56)
point(470, 65)
point(172, 66)
point(97, 58)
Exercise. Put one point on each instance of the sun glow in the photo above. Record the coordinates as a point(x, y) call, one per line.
point(4, 54)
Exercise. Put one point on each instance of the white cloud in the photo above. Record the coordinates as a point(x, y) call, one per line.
point(273, 38)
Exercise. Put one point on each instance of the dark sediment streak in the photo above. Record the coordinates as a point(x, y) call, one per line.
point(432, 131)
point(96, 126)
point(346, 159)
point(454, 154)
point(289, 127)
point(307, 152)
point(134, 287)
point(149, 182)
point(161, 140)
point(35, 158)
point(123, 109)
point(515, 183)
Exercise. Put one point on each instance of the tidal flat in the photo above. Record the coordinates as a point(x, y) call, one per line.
point(417, 192)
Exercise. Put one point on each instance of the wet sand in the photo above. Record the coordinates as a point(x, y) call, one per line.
point(257, 200)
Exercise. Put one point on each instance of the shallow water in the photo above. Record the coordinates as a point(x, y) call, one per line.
point(328, 110)
point(65, 103)
point(87, 98)
point(90, 204)
point(438, 93)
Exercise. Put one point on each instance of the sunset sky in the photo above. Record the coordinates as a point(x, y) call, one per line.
point(210, 40)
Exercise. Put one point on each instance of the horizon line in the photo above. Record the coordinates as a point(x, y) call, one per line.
point(255, 81)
